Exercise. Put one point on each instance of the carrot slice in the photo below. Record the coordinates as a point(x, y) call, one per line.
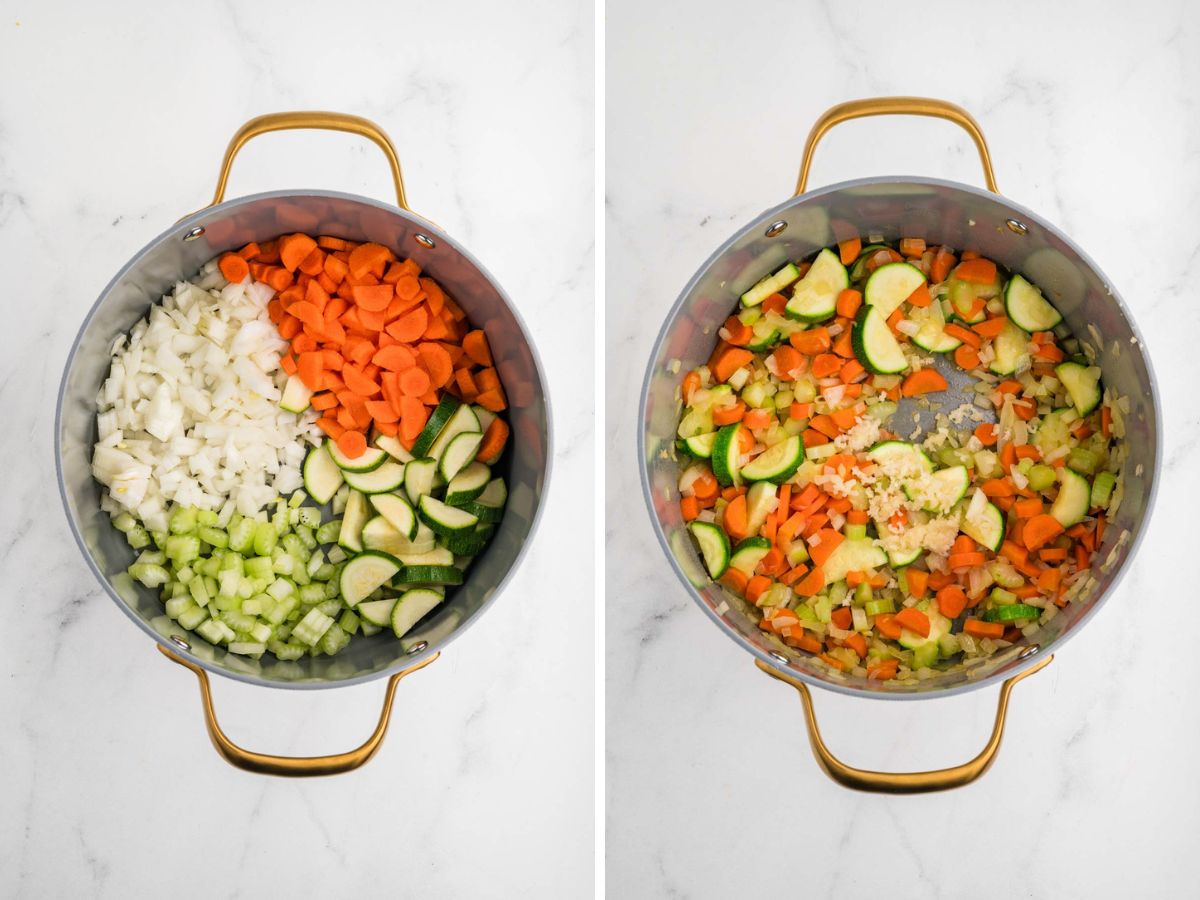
point(1040, 530)
point(234, 268)
point(372, 297)
point(293, 249)
point(358, 382)
point(438, 364)
point(368, 259)
point(493, 442)
point(475, 343)
point(413, 416)
point(409, 327)
point(352, 443)
point(924, 381)
point(396, 358)
point(311, 368)
point(414, 382)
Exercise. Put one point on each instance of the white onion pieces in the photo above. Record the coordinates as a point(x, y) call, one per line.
point(190, 410)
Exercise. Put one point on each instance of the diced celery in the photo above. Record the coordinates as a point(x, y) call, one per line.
point(312, 627)
point(838, 592)
point(1102, 489)
point(332, 589)
point(214, 536)
point(198, 591)
point(330, 607)
point(254, 606)
point(1041, 477)
point(324, 572)
point(208, 518)
point(999, 595)
point(138, 537)
point(314, 563)
point(823, 607)
point(182, 520)
point(176, 606)
point(855, 532)
point(293, 545)
point(1083, 461)
point(152, 558)
point(125, 523)
point(247, 648)
point(368, 629)
point(280, 588)
point(863, 593)
point(282, 562)
point(281, 610)
point(232, 562)
point(312, 594)
point(260, 631)
point(305, 533)
point(185, 574)
point(349, 621)
point(149, 574)
point(226, 601)
point(193, 617)
point(259, 567)
point(334, 639)
point(215, 631)
point(286, 652)
point(328, 533)
point(183, 548)
point(883, 410)
point(238, 620)
point(241, 534)
point(337, 554)
point(265, 536)
point(879, 606)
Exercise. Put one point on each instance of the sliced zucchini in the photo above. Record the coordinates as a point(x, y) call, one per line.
point(443, 519)
point(714, 547)
point(875, 345)
point(438, 556)
point(398, 512)
point(814, 299)
point(1012, 350)
point(932, 335)
point(412, 606)
point(987, 528)
point(364, 574)
point(701, 446)
point(853, 555)
point(890, 285)
point(764, 335)
point(384, 479)
point(485, 417)
point(727, 450)
point(946, 487)
point(419, 476)
point(859, 269)
point(891, 449)
point(938, 626)
point(372, 458)
point(777, 463)
point(463, 420)
point(441, 415)
point(428, 575)
point(488, 507)
point(748, 554)
point(296, 395)
point(380, 534)
point(760, 501)
point(1082, 384)
point(772, 284)
point(468, 484)
point(1073, 500)
point(459, 453)
point(322, 477)
point(377, 612)
point(1027, 308)
point(962, 296)
point(470, 544)
point(1011, 612)
point(393, 448)
point(353, 519)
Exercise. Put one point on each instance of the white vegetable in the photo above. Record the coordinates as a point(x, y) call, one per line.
point(189, 412)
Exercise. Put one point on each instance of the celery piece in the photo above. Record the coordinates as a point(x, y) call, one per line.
point(334, 639)
point(265, 536)
point(1102, 489)
point(182, 549)
point(328, 533)
point(214, 536)
point(1041, 477)
point(182, 520)
point(193, 617)
point(855, 532)
point(241, 535)
point(259, 567)
point(137, 537)
point(880, 606)
point(349, 621)
point(125, 523)
point(312, 627)
point(207, 518)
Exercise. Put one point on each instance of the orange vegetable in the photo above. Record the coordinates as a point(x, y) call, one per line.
point(952, 600)
point(987, 434)
point(1040, 530)
point(811, 341)
point(849, 249)
point(293, 248)
point(918, 582)
point(989, 328)
point(823, 543)
point(735, 519)
point(914, 620)
point(811, 584)
point(729, 361)
point(848, 302)
point(980, 629)
point(234, 268)
point(976, 271)
point(923, 381)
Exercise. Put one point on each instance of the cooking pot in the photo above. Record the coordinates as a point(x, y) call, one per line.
point(941, 212)
point(177, 254)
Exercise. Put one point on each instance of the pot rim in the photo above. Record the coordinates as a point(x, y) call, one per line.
point(177, 229)
point(1023, 660)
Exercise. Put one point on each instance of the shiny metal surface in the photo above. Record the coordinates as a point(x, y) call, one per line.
point(891, 207)
point(170, 257)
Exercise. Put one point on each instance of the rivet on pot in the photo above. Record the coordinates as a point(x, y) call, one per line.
point(775, 654)
point(424, 241)
point(181, 642)
point(418, 647)
point(776, 228)
point(192, 233)
point(1016, 227)
point(1028, 651)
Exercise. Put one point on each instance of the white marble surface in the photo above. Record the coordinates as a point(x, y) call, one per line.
point(113, 119)
point(1091, 114)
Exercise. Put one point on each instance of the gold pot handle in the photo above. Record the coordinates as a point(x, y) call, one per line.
point(903, 782)
point(322, 121)
point(896, 106)
point(293, 766)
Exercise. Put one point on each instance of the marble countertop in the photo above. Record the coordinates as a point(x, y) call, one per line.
point(712, 792)
point(112, 126)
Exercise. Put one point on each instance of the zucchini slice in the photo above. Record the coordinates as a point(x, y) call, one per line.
point(1082, 384)
point(772, 284)
point(296, 395)
point(885, 450)
point(443, 519)
point(441, 414)
point(468, 484)
point(371, 459)
point(701, 445)
point(364, 574)
point(814, 299)
point(1074, 497)
point(459, 453)
point(419, 476)
point(875, 345)
point(463, 420)
point(398, 513)
point(727, 450)
point(987, 528)
point(353, 519)
point(962, 296)
point(1012, 350)
point(748, 554)
point(853, 555)
point(428, 575)
point(393, 448)
point(932, 335)
point(488, 507)
point(714, 547)
point(380, 534)
point(377, 612)
point(777, 463)
point(1027, 308)
point(384, 479)
point(412, 606)
point(890, 285)
point(322, 477)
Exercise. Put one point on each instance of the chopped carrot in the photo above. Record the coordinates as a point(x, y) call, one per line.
point(914, 620)
point(849, 249)
point(352, 443)
point(965, 560)
point(918, 582)
point(923, 381)
point(1040, 530)
point(976, 271)
point(811, 341)
point(943, 260)
point(727, 415)
point(730, 360)
point(368, 258)
point(811, 584)
point(823, 543)
point(475, 344)
point(967, 357)
point(990, 328)
point(887, 625)
point(756, 587)
point(293, 248)
point(311, 367)
point(952, 600)
point(735, 519)
point(920, 297)
point(980, 629)
point(848, 302)
point(234, 268)
point(825, 365)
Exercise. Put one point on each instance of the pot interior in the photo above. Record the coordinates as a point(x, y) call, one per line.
point(176, 255)
point(941, 213)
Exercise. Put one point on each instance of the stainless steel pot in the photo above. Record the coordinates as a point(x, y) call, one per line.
point(176, 254)
point(941, 212)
